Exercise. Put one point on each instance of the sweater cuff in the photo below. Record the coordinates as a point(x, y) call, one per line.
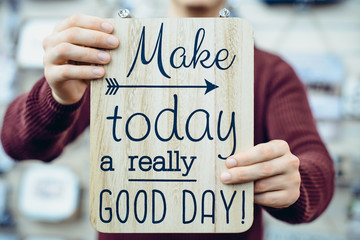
point(53, 116)
point(295, 213)
point(308, 206)
point(47, 101)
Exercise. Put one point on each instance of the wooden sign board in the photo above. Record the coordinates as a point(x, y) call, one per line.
point(176, 101)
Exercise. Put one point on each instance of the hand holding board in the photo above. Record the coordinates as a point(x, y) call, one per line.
point(176, 101)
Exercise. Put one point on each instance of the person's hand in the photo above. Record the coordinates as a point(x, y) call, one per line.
point(71, 55)
point(274, 170)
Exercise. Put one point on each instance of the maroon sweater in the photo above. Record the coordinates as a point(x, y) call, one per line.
point(37, 127)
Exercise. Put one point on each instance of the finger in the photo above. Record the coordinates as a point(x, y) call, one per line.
point(84, 21)
point(270, 184)
point(259, 153)
point(65, 52)
point(256, 171)
point(277, 199)
point(75, 72)
point(86, 37)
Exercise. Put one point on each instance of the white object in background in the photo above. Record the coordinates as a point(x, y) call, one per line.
point(3, 196)
point(8, 237)
point(317, 68)
point(5, 216)
point(325, 107)
point(351, 97)
point(328, 130)
point(43, 238)
point(49, 193)
point(7, 77)
point(29, 50)
point(6, 163)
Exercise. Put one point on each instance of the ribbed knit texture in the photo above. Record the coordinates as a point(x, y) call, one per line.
point(37, 127)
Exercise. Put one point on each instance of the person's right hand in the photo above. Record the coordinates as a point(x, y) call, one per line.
point(70, 55)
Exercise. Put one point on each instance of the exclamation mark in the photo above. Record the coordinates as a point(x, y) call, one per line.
point(243, 207)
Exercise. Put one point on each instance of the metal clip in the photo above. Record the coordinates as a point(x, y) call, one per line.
point(124, 13)
point(224, 13)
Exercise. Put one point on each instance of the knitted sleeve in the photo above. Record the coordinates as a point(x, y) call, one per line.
point(288, 117)
point(35, 126)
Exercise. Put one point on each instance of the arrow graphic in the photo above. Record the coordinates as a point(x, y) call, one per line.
point(113, 86)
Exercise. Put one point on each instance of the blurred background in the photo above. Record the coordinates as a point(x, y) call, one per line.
point(319, 38)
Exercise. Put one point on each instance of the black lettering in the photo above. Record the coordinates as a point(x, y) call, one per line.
point(115, 118)
point(154, 204)
point(127, 206)
point(217, 60)
point(227, 207)
point(107, 208)
point(184, 207)
point(243, 207)
point(206, 58)
point(206, 130)
point(187, 166)
point(158, 49)
point(159, 164)
point(132, 162)
point(203, 56)
point(212, 215)
point(183, 56)
point(175, 117)
point(147, 131)
point(109, 163)
point(231, 129)
point(136, 204)
point(145, 163)
point(197, 46)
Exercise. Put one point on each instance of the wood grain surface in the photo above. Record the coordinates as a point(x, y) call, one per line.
point(158, 142)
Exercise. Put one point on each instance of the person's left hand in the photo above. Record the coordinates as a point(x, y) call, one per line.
point(274, 170)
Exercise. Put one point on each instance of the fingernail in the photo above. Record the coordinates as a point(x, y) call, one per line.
point(106, 27)
point(113, 41)
point(103, 56)
point(231, 162)
point(98, 71)
point(225, 177)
